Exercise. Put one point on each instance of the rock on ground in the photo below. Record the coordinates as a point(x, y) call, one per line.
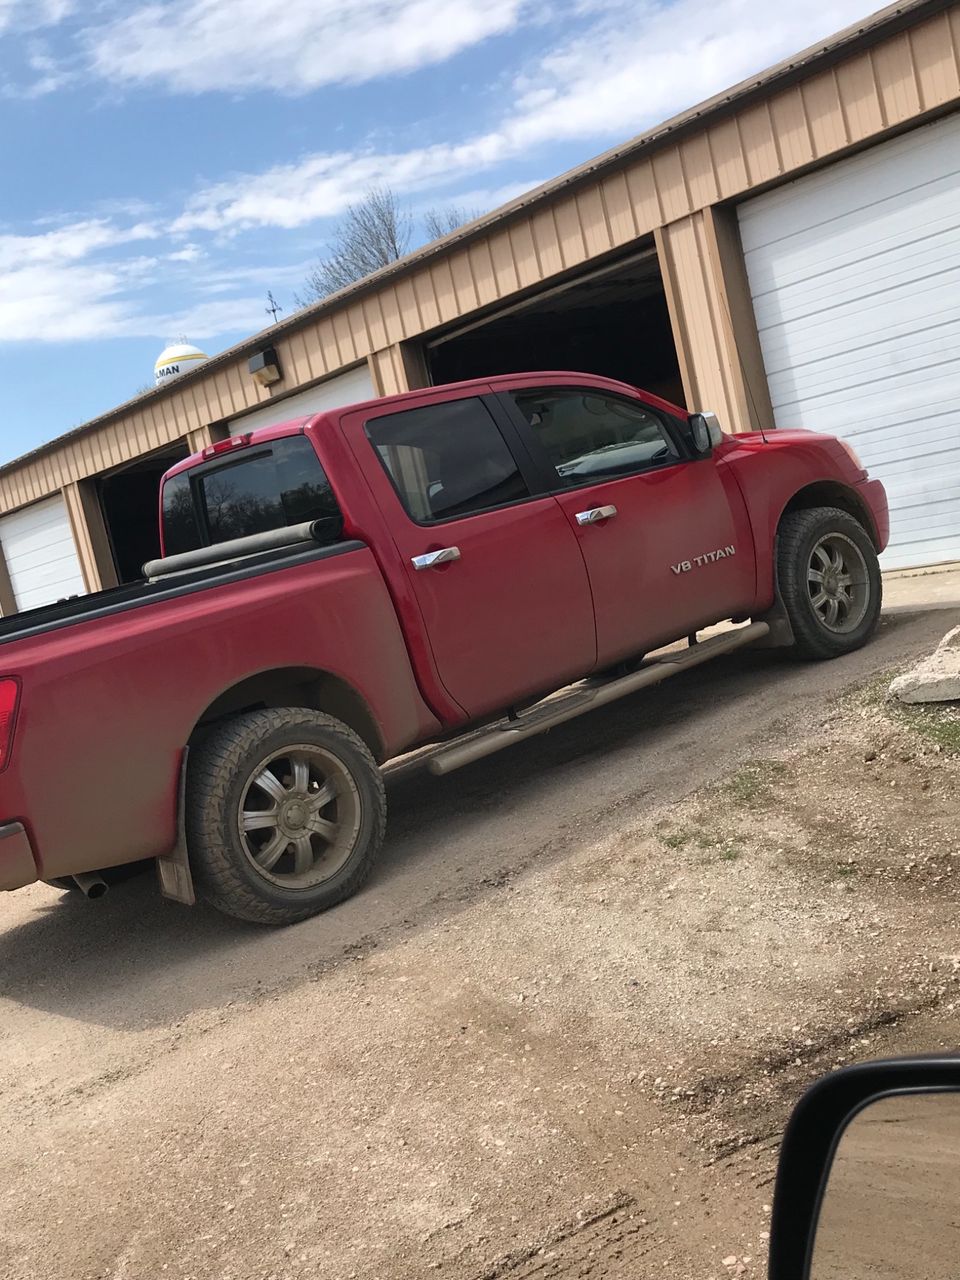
point(935, 678)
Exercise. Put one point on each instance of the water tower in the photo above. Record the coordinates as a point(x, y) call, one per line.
point(176, 359)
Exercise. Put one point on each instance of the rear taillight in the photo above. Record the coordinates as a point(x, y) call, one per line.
point(9, 703)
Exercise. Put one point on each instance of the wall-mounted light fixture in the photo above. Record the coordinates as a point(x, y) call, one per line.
point(265, 367)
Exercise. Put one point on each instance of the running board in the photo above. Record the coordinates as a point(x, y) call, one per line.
point(587, 696)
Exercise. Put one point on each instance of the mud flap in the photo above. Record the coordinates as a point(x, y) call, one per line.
point(173, 869)
point(781, 634)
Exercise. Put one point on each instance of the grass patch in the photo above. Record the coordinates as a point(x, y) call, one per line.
point(751, 786)
point(939, 723)
point(725, 847)
point(676, 839)
point(936, 722)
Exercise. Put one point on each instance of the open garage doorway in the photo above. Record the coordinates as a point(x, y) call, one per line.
point(611, 320)
point(129, 500)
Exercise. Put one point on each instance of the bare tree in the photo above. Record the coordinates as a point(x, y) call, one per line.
point(440, 222)
point(374, 233)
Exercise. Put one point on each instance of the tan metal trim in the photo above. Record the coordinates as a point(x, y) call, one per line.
point(386, 369)
point(415, 372)
point(205, 436)
point(81, 537)
point(677, 321)
point(8, 601)
point(97, 538)
point(711, 312)
point(738, 322)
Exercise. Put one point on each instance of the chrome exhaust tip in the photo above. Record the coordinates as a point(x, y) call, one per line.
point(90, 884)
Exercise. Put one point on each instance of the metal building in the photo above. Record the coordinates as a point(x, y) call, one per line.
point(787, 253)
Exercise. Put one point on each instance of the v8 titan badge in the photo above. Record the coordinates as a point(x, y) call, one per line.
point(708, 557)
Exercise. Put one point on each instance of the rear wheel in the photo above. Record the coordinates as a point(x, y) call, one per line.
point(829, 580)
point(285, 814)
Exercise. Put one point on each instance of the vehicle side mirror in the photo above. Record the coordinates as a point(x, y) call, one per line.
point(705, 432)
point(892, 1192)
point(869, 1177)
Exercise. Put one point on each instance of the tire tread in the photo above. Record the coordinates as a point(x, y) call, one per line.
point(796, 530)
point(213, 768)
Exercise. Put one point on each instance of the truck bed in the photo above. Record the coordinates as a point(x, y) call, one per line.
point(103, 604)
point(115, 685)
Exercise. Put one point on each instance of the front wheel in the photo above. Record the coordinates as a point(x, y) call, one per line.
point(285, 814)
point(829, 581)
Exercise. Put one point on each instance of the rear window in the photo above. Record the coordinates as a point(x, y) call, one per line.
point(268, 487)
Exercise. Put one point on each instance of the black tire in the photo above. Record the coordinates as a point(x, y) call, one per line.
point(222, 783)
point(814, 541)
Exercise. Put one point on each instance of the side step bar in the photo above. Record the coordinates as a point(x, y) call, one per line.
point(588, 696)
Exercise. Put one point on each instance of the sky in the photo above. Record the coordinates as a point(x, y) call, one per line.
point(165, 165)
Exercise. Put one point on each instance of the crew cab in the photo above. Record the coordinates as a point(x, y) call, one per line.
point(341, 589)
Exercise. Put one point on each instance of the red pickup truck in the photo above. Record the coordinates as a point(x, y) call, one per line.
point(341, 589)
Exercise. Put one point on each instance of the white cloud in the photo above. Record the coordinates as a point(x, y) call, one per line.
point(50, 302)
point(641, 64)
point(321, 186)
point(28, 15)
point(289, 46)
point(68, 243)
point(80, 282)
point(51, 76)
point(483, 198)
point(189, 253)
point(206, 319)
point(80, 302)
point(645, 62)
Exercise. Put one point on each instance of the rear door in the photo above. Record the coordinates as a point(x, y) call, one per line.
point(666, 537)
point(493, 564)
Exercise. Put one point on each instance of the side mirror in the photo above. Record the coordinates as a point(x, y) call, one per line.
point(869, 1177)
point(705, 431)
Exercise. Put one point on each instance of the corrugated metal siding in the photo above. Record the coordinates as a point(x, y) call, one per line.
point(344, 388)
point(41, 558)
point(855, 272)
point(830, 110)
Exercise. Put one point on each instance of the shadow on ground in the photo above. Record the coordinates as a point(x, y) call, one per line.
point(132, 959)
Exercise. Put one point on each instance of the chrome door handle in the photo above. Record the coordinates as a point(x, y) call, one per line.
point(595, 514)
point(432, 558)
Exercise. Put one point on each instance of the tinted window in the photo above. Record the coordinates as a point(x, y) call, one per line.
point(271, 487)
point(591, 437)
point(181, 530)
point(447, 460)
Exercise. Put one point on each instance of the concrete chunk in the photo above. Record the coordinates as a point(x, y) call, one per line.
point(933, 679)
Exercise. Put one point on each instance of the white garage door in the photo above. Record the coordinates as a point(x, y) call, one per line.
point(855, 276)
point(41, 555)
point(346, 388)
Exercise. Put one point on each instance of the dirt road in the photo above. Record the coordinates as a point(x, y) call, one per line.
point(556, 1036)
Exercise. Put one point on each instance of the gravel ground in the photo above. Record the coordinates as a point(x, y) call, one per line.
point(558, 1034)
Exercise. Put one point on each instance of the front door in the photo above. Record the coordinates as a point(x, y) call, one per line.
point(496, 569)
point(666, 537)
